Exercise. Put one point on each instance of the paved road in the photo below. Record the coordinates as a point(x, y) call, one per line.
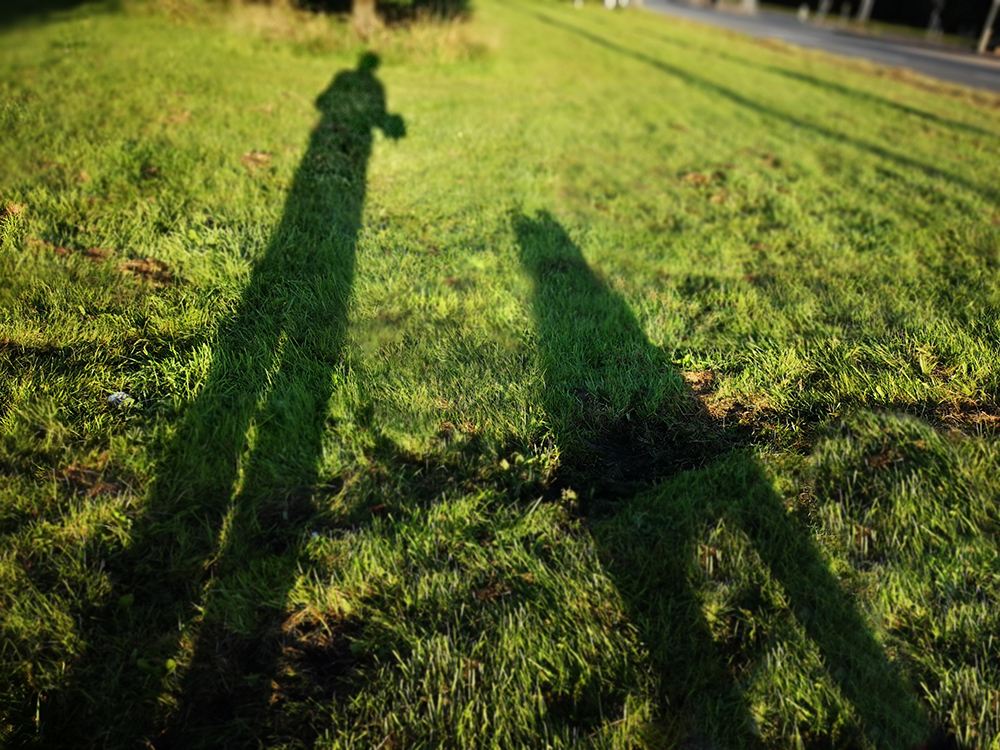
point(957, 67)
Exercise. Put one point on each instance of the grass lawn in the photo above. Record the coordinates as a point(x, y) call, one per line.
point(557, 378)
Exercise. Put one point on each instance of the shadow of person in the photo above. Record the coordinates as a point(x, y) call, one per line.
point(650, 501)
point(212, 560)
point(261, 413)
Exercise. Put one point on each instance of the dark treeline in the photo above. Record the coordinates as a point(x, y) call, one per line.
point(393, 10)
point(13, 11)
point(964, 17)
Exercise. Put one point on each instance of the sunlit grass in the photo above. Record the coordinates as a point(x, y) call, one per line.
point(656, 372)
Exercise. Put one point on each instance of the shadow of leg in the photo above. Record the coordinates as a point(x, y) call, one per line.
point(650, 549)
point(604, 382)
point(890, 714)
point(606, 387)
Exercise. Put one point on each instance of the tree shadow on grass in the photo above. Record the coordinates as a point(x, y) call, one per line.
point(832, 86)
point(651, 483)
point(747, 102)
point(211, 562)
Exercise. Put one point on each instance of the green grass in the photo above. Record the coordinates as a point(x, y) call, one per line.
point(572, 378)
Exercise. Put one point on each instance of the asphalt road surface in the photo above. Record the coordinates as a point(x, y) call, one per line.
point(957, 67)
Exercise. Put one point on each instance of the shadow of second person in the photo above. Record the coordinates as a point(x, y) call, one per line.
point(655, 475)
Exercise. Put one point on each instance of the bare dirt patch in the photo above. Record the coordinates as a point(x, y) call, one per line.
point(316, 658)
point(493, 590)
point(256, 159)
point(154, 271)
point(11, 209)
point(702, 382)
point(177, 117)
point(94, 254)
point(38, 244)
point(696, 178)
point(91, 481)
point(887, 457)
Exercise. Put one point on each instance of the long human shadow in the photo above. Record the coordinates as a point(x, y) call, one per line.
point(696, 81)
point(263, 410)
point(262, 414)
point(593, 351)
point(235, 491)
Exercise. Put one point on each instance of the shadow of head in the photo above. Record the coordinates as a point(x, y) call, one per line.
point(368, 62)
point(355, 102)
